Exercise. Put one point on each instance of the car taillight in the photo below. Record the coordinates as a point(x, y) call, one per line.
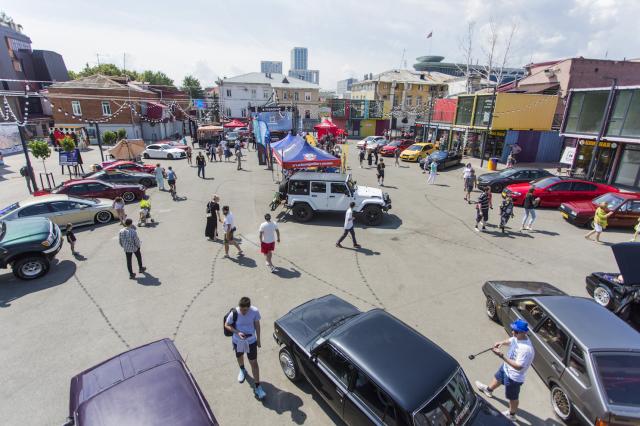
point(600, 422)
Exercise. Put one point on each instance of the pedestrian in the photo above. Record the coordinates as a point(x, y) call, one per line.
point(433, 171)
point(529, 204)
point(369, 157)
point(246, 340)
point(118, 206)
point(469, 178)
point(145, 211)
point(396, 155)
point(514, 369)
point(219, 151)
point(637, 229)
point(201, 162)
point(511, 161)
point(71, 238)
point(211, 152)
point(348, 227)
point(361, 156)
point(506, 210)
point(213, 217)
point(159, 172)
point(130, 243)
point(228, 227)
point(380, 168)
point(239, 156)
point(599, 221)
point(171, 180)
point(376, 148)
point(269, 233)
point(189, 156)
point(482, 208)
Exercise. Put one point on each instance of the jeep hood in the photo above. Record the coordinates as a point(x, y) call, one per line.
point(368, 192)
point(26, 230)
point(627, 255)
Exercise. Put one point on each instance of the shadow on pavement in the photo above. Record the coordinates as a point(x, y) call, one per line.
point(363, 250)
point(388, 186)
point(244, 261)
point(148, 279)
point(12, 288)
point(286, 273)
point(305, 387)
point(530, 418)
point(282, 401)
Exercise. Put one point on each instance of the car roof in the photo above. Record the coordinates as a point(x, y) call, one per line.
point(625, 195)
point(593, 326)
point(423, 143)
point(409, 367)
point(332, 177)
point(44, 199)
point(83, 181)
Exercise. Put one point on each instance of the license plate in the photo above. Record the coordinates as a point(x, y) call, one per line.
point(565, 215)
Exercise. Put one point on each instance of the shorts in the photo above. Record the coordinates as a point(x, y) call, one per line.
point(267, 247)
point(511, 387)
point(252, 354)
point(228, 237)
point(171, 182)
point(597, 227)
point(380, 175)
point(482, 214)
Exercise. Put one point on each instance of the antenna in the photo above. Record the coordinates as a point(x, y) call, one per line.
point(402, 60)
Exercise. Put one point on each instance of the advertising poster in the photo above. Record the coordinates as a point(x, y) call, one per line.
point(9, 139)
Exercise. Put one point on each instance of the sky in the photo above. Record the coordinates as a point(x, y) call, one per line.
point(211, 39)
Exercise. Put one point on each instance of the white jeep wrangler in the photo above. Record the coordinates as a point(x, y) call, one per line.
point(307, 193)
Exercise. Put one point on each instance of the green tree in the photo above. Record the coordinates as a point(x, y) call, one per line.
point(109, 137)
point(68, 144)
point(40, 149)
point(192, 86)
point(121, 134)
point(155, 77)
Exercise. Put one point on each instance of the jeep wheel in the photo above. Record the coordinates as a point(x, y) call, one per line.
point(30, 267)
point(302, 212)
point(372, 215)
point(128, 197)
point(288, 365)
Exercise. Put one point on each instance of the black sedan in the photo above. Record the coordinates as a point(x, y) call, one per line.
point(443, 159)
point(119, 176)
point(372, 368)
point(500, 180)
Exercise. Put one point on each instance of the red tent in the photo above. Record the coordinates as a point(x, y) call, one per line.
point(326, 127)
point(234, 123)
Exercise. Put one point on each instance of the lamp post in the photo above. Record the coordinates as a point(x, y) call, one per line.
point(593, 163)
point(486, 136)
point(25, 150)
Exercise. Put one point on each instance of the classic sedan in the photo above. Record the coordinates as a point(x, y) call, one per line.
point(371, 141)
point(500, 180)
point(62, 209)
point(443, 159)
point(97, 189)
point(555, 190)
point(389, 150)
point(417, 151)
point(625, 207)
point(370, 368)
point(117, 176)
point(588, 357)
point(163, 150)
point(128, 166)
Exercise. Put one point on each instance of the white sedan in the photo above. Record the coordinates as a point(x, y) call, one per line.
point(372, 141)
point(163, 150)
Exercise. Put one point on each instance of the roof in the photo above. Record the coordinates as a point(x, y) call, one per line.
point(276, 81)
point(98, 82)
point(406, 365)
point(594, 326)
point(45, 199)
point(332, 177)
point(408, 76)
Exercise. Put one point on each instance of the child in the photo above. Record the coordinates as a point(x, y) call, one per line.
point(71, 238)
point(145, 211)
point(506, 211)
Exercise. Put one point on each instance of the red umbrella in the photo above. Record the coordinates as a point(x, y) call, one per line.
point(234, 123)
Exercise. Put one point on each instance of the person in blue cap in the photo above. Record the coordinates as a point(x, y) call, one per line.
point(514, 369)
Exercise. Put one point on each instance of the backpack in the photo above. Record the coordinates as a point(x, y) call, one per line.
point(234, 311)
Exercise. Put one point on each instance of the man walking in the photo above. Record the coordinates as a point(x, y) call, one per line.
point(268, 233)
point(212, 153)
point(229, 227)
point(433, 172)
point(348, 227)
point(514, 369)
point(482, 208)
point(159, 173)
point(396, 156)
point(529, 204)
point(239, 156)
point(130, 243)
point(246, 340)
point(201, 162)
point(380, 168)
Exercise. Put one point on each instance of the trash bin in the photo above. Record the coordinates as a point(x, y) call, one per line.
point(492, 164)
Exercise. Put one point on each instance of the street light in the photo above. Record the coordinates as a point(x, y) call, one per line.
point(593, 163)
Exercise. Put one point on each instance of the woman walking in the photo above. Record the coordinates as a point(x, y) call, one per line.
point(361, 156)
point(469, 178)
point(530, 203)
point(213, 217)
point(599, 222)
point(159, 172)
point(118, 206)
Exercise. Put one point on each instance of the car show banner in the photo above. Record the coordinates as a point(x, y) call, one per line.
point(72, 158)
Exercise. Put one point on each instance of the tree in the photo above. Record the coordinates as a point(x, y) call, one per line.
point(149, 76)
point(109, 137)
point(68, 144)
point(40, 149)
point(155, 77)
point(121, 134)
point(191, 85)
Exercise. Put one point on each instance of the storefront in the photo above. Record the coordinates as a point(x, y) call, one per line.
point(584, 152)
point(628, 170)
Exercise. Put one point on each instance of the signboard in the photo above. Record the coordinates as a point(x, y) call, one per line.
point(9, 139)
point(69, 158)
point(270, 108)
point(568, 155)
point(276, 121)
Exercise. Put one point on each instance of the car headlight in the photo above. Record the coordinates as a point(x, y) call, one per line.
point(45, 243)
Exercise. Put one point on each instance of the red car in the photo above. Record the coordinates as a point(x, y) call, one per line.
point(624, 205)
point(92, 188)
point(555, 190)
point(396, 145)
point(129, 166)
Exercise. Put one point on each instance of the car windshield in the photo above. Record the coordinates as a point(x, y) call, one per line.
point(9, 209)
point(232, 135)
point(544, 182)
point(394, 143)
point(508, 172)
point(613, 201)
point(57, 188)
point(451, 407)
point(438, 155)
point(619, 375)
point(414, 148)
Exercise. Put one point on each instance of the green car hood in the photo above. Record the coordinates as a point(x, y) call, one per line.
point(26, 230)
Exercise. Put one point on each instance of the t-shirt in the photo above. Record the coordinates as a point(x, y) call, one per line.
point(529, 201)
point(434, 166)
point(268, 230)
point(380, 167)
point(483, 200)
point(467, 173)
point(521, 352)
point(171, 175)
point(245, 324)
point(227, 225)
point(348, 219)
point(159, 172)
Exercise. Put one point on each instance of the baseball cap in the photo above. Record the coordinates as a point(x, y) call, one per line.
point(520, 326)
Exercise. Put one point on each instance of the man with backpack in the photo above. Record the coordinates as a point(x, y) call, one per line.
point(243, 325)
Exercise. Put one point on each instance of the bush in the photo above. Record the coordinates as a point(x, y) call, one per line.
point(122, 134)
point(109, 137)
point(41, 150)
point(68, 144)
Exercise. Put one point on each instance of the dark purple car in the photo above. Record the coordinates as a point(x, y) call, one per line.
point(149, 385)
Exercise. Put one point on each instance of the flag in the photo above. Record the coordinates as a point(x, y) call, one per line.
point(430, 34)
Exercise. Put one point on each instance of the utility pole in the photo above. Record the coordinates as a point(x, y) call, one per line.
point(25, 150)
point(486, 136)
point(593, 163)
point(429, 119)
point(99, 141)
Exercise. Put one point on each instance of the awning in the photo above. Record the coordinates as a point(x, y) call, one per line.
point(234, 123)
point(154, 110)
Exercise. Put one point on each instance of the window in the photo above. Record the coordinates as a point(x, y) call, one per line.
point(583, 186)
point(78, 189)
point(243, 112)
point(285, 94)
point(530, 311)
point(61, 206)
point(553, 336)
point(452, 406)
point(339, 188)
point(618, 374)
point(577, 365)
point(463, 110)
point(633, 206)
point(228, 93)
point(335, 362)
point(307, 96)
point(318, 187)
point(408, 101)
point(228, 111)
point(419, 100)
point(253, 93)
point(295, 96)
point(299, 187)
point(106, 108)
point(562, 186)
point(307, 113)
point(265, 94)
point(75, 107)
point(94, 187)
point(484, 106)
point(375, 399)
point(34, 210)
point(585, 111)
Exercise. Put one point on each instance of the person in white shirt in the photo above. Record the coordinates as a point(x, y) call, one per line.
point(348, 227)
point(229, 227)
point(268, 233)
point(514, 369)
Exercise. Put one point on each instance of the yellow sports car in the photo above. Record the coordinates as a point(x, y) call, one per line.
point(417, 151)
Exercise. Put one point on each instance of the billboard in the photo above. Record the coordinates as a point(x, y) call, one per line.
point(9, 139)
point(277, 118)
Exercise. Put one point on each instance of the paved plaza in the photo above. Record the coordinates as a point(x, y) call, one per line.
point(425, 265)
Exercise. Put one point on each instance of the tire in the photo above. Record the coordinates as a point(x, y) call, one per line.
point(590, 224)
point(146, 182)
point(497, 188)
point(145, 155)
point(561, 404)
point(602, 296)
point(103, 216)
point(128, 197)
point(302, 212)
point(289, 365)
point(169, 156)
point(491, 309)
point(30, 267)
point(372, 215)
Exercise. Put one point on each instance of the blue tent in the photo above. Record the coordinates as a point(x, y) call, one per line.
point(286, 141)
point(298, 154)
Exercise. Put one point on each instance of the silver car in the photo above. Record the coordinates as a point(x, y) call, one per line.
point(587, 356)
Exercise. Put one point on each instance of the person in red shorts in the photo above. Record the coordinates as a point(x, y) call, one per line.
point(269, 232)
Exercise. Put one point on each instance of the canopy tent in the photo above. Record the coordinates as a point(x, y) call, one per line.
point(127, 149)
point(286, 141)
point(208, 132)
point(300, 155)
point(234, 123)
point(326, 127)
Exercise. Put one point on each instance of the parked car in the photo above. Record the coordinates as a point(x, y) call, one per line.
point(178, 144)
point(243, 132)
point(372, 368)
point(62, 209)
point(588, 357)
point(500, 180)
point(389, 150)
point(443, 159)
point(127, 166)
point(624, 205)
point(417, 151)
point(620, 291)
point(555, 190)
point(148, 385)
point(372, 141)
point(118, 176)
point(307, 193)
point(97, 189)
point(28, 245)
point(163, 150)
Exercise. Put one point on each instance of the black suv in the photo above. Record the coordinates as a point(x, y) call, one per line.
point(28, 245)
point(372, 368)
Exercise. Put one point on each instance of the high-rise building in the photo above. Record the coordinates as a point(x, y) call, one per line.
point(299, 58)
point(344, 86)
point(272, 67)
point(312, 76)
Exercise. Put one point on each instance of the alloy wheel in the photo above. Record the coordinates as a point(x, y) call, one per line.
point(32, 269)
point(602, 296)
point(561, 403)
point(286, 363)
point(103, 217)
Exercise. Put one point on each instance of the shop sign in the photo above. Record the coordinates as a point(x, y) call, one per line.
point(498, 133)
point(568, 155)
point(601, 144)
point(69, 158)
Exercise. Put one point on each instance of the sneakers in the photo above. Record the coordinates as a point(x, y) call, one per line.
point(273, 269)
point(339, 245)
point(242, 375)
point(357, 246)
point(476, 229)
point(484, 389)
point(259, 392)
point(142, 270)
point(509, 415)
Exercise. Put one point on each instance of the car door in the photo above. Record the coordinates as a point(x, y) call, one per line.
point(319, 195)
point(329, 372)
point(583, 191)
point(556, 194)
point(366, 403)
point(550, 342)
point(339, 196)
point(77, 190)
point(626, 215)
point(96, 189)
point(155, 151)
point(36, 210)
point(65, 212)
point(575, 380)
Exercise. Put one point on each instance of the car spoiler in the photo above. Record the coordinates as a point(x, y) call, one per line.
point(627, 255)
